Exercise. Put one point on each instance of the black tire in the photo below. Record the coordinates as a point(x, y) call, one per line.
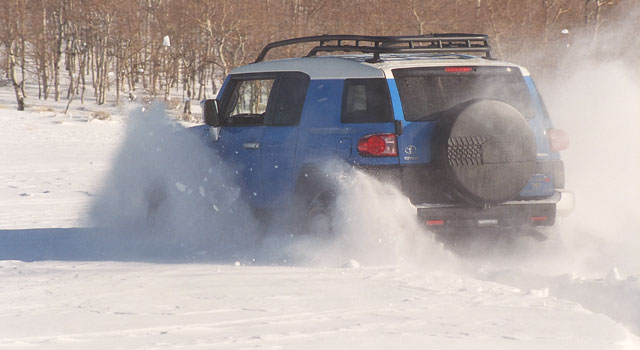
point(318, 219)
point(315, 201)
point(154, 197)
point(486, 151)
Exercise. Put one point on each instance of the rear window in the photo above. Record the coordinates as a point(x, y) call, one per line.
point(366, 101)
point(427, 92)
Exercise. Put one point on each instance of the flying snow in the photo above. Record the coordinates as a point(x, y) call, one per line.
point(168, 193)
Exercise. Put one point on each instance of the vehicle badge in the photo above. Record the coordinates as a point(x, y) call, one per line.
point(411, 149)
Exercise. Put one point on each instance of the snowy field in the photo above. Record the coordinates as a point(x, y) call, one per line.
point(80, 270)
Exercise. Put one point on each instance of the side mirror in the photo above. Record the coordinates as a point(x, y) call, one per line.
point(210, 109)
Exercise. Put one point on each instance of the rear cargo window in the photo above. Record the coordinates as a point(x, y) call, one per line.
point(366, 101)
point(426, 92)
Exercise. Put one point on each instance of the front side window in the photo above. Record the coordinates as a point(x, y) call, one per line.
point(248, 102)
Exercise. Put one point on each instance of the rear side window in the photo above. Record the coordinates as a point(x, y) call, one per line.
point(366, 101)
point(426, 92)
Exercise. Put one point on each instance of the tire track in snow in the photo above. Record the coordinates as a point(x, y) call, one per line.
point(221, 326)
point(612, 296)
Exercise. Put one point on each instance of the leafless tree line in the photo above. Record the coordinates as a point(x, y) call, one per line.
point(149, 47)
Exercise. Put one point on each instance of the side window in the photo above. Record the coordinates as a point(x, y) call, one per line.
point(366, 101)
point(289, 100)
point(248, 102)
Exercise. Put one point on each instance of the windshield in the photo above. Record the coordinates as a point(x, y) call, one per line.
point(426, 92)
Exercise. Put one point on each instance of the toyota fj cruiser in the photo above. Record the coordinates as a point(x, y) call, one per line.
point(466, 138)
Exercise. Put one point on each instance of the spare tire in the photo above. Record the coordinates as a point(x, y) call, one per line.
point(486, 150)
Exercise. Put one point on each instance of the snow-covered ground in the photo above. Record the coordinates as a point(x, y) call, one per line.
point(79, 271)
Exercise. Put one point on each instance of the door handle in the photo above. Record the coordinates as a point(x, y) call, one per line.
point(251, 145)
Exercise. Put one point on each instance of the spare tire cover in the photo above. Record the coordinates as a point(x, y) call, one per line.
point(487, 150)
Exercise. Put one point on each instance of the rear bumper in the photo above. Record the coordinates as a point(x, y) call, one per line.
point(509, 214)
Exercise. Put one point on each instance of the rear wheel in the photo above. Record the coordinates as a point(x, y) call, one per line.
point(318, 218)
point(319, 221)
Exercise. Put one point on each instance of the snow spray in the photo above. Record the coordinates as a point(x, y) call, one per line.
point(169, 196)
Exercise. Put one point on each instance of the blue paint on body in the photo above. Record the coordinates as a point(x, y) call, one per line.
point(269, 173)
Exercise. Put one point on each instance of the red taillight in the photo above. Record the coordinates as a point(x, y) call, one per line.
point(378, 145)
point(435, 222)
point(458, 69)
point(558, 139)
point(539, 218)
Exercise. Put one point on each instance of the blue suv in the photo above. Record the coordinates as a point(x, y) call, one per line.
point(466, 138)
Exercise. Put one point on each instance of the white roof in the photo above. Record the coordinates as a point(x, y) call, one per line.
point(355, 66)
point(320, 67)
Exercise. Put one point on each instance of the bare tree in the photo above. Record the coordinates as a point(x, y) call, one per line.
point(593, 10)
point(117, 44)
point(12, 38)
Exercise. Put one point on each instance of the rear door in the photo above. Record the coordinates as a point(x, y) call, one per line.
point(421, 95)
point(280, 139)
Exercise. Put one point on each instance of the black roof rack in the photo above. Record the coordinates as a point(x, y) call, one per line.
point(429, 43)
